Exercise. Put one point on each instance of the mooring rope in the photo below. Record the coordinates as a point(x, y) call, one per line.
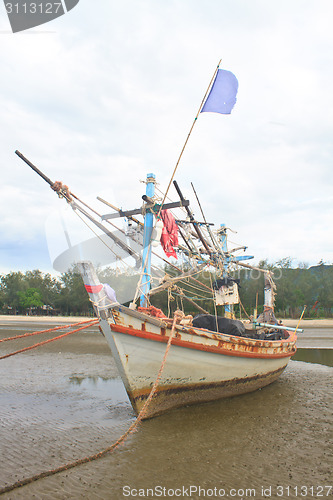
point(29, 334)
point(109, 449)
point(49, 340)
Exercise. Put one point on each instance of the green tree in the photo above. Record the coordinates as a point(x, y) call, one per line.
point(12, 283)
point(296, 286)
point(324, 287)
point(72, 297)
point(47, 285)
point(30, 298)
point(2, 295)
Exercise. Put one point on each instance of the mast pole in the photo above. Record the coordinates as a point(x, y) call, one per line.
point(228, 308)
point(149, 222)
point(146, 257)
point(188, 136)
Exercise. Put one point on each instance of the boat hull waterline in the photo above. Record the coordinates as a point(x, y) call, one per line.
point(201, 366)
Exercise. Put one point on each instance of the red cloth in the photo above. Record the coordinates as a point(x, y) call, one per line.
point(169, 237)
point(152, 311)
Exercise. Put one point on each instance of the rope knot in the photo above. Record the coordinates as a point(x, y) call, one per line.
point(62, 190)
point(179, 315)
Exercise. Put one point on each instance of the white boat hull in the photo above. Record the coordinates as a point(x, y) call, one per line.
point(201, 365)
point(189, 376)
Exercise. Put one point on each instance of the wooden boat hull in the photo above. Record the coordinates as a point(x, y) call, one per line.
point(201, 366)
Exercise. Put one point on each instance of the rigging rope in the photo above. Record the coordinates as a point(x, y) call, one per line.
point(182, 294)
point(98, 236)
point(195, 288)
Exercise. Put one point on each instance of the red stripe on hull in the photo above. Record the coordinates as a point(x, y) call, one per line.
point(201, 347)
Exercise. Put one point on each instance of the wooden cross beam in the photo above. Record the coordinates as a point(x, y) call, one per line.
point(154, 208)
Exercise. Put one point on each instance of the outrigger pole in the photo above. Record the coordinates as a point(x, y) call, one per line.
point(214, 241)
point(64, 192)
point(195, 225)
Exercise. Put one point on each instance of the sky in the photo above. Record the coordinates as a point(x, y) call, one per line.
point(108, 92)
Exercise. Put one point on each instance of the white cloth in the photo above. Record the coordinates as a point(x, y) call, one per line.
point(110, 293)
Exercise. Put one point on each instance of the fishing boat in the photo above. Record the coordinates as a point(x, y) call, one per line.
point(211, 355)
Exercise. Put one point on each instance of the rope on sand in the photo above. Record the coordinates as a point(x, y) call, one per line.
point(92, 322)
point(130, 430)
point(29, 334)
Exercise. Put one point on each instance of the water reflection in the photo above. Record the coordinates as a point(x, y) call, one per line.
point(108, 389)
point(320, 356)
point(91, 380)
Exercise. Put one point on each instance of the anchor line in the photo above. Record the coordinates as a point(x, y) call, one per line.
point(121, 440)
point(29, 334)
point(47, 341)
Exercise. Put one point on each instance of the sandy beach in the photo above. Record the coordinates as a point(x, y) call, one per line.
point(305, 323)
point(310, 323)
point(65, 401)
point(45, 319)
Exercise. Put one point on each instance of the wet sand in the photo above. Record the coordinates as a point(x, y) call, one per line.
point(66, 401)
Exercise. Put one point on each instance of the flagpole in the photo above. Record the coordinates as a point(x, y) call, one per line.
point(188, 136)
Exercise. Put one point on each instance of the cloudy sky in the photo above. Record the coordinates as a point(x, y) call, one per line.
point(107, 93)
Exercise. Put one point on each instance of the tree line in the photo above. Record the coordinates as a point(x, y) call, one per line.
point(35, 292)
point(295, 288)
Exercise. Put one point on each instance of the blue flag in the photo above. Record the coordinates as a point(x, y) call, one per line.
point(222, 95)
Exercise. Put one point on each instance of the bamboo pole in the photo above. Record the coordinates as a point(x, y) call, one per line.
point(300, 319)
point(179, 158)
point(195, 226)
point(181, 293)
point(188, 136)
point(256, 308)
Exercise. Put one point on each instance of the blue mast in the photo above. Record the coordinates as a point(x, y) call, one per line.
point(146, 256)
point(228, 309)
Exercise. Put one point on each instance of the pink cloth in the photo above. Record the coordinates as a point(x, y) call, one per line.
point(169, 237)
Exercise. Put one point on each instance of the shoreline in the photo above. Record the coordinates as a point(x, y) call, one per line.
point(45, 319)
point(310, 323)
